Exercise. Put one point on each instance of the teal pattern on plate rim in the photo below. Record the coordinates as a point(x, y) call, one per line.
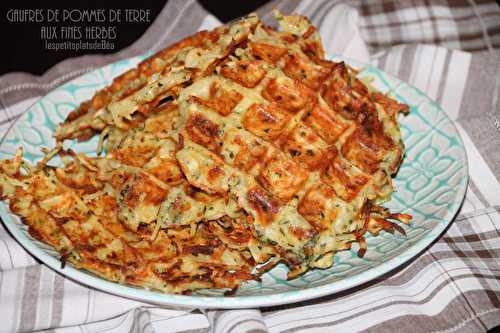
point(430, 185)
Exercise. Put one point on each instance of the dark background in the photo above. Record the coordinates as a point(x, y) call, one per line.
point(23, 50)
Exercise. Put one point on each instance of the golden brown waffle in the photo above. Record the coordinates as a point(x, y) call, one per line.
point(226, 153)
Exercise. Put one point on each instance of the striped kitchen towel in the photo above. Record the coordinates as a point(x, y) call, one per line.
point(448, 49)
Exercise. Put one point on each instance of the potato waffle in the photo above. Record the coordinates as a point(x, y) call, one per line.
point(225, 154)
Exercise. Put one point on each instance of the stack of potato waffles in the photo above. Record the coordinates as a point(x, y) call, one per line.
point(219, 157)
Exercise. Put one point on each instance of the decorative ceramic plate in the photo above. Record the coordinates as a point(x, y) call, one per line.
point(430, 185)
